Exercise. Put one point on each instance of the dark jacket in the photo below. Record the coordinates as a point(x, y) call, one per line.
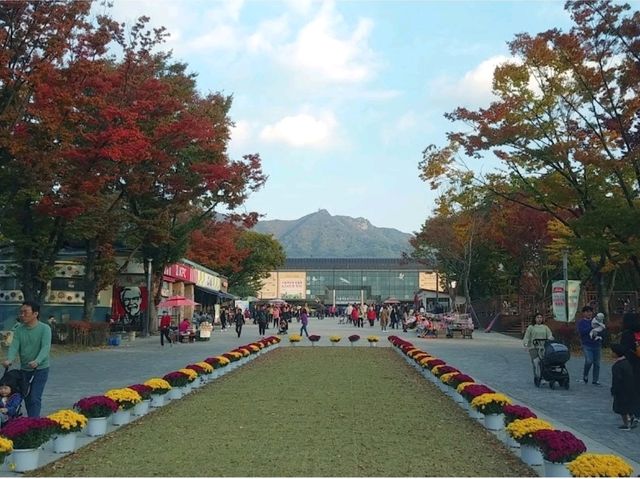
point(622, 388)
point(239, 319)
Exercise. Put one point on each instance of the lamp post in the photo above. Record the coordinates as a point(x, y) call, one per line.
point(145, 326)
point(452, 296)
point(565, 277)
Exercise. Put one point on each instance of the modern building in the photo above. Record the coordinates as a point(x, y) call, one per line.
point(339, 281)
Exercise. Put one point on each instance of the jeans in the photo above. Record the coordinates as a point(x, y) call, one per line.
point(164, 333)
point(304, 328)
point(33, 400)
point(591, 357)
point(262, 328)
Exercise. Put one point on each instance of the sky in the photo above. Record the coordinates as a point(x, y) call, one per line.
point(340, 98)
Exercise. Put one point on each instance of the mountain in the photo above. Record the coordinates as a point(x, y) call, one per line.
point(321, 235)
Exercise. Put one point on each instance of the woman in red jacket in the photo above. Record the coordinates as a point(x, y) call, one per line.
point(371, 315)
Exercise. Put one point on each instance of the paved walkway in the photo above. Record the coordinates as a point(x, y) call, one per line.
point(491, 358)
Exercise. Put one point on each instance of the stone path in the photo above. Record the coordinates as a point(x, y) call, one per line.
point(494, 359)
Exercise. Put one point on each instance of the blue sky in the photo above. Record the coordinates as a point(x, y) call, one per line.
point(341, 97)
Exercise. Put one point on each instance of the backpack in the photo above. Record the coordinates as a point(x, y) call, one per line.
point(636, 337)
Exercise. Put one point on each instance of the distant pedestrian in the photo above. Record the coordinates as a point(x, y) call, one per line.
point(394, 317)
point(276, 316)
point(165, 325)
point(592, 348)
point(32, 345)
point(630, 343)
point(304, 321)
point(371, 315)
point(239, 320)
point(384, 317)
point(622, 388)
point(533, 340)
point(262, 319)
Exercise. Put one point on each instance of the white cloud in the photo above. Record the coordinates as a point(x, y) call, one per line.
point(219, 37)
point(268, 34)
point(327, 49)
point(240, 133)
point(474, 88)
point(302, 130)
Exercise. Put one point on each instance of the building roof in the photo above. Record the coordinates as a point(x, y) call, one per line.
point(308, 264)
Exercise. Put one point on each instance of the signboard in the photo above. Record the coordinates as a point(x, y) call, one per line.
point(269, 288)
point(558, 299)
point(428, 281)
point(181, 272)
point(129, 305)
point(292, 285)
point(207, 281)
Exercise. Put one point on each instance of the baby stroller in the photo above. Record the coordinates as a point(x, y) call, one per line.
point(283, 326)
point(553, 356)
point(16, 380)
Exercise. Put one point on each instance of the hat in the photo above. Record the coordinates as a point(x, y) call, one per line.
point(600, 317)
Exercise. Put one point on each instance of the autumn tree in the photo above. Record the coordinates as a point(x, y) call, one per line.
point(565, 127)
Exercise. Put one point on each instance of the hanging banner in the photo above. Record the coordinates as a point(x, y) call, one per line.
point(558, 299)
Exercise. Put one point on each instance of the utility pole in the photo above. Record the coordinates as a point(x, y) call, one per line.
point(145, 326)
point(565, 276)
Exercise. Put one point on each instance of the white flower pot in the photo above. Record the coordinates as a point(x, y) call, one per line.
point(64, 442)
point(186, 389)
point(175, 393)
point(475, 414)
point(121, 417)
point(96, 426)
point(457, 397)
point(556, 469)
point(25, 459)
point(494, 422)
point(141, 408)
point(530, 455)
point(157, 400)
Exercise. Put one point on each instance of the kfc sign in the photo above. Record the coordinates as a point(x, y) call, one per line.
point(180, 272)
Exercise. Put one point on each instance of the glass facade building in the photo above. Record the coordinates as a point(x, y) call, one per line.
point(349, 280)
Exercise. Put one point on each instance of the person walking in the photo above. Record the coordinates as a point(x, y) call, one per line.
point(591, 348)
point(304, 320)
point(371, 315)
point(622, 388)
point(394, 317)
point(384, 317)
point(165, 324)
point(630, 343)
point(534, 338)
point(238, 318)
point(32, 345)
point(276, 316)
point(262, 319)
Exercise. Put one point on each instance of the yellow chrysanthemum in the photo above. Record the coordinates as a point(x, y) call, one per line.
point(423, 361)
point(335, 338)
point(208, 369)
point(222, 360)
point(192, 375)
point(125, 397)
point(69, 420)
point(599, 465)
point(254, 348)
point(522, 429)
point(461, 387)
point(373, 339)
point(446, 378)
point(295, 338)
point(159, 384)
point(490, 403)
point(6, 445)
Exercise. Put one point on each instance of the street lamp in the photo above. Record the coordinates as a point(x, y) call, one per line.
point(452, 297)
point(145, 326)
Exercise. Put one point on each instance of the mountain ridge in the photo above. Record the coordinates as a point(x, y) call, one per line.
point(321, 234)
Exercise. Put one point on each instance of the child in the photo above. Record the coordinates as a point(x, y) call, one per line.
point(622, 388)
point(597, 327)
point(10, 401)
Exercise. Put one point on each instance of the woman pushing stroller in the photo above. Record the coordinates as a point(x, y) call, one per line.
point(534, 338)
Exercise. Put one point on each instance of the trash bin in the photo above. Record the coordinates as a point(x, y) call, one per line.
point(114, 341)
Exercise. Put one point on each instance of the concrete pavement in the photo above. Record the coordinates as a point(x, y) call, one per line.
point(497, 360)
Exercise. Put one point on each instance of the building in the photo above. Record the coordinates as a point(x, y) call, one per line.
point(339, 281)
point(125, 301)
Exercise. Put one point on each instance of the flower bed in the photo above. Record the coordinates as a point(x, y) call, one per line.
point(29, 432)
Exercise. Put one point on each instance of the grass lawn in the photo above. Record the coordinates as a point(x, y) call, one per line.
point(303, 411)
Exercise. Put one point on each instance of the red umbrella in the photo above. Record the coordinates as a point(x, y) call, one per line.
point(175, 301)
point(392, 300)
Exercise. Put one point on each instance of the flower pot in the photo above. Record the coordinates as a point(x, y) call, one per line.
point(64, 442)
point(186, 389)
point(373, 343)
point(96, 426)
point(530, 455)
point(494, 422)
point(157, 400)
point(457, 397)
point(475, 414)
point(175, 393)
point(294, 343)
point(556, 469)
point(141, 408)
point(121, 417)
point(25, 459)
